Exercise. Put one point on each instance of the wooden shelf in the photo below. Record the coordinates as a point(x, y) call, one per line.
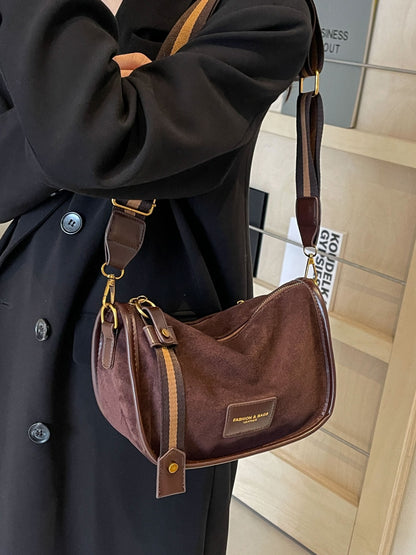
point(327, 517)
point(379, 147)
point(362, 338)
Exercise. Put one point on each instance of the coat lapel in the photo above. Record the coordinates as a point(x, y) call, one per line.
point(28, 223)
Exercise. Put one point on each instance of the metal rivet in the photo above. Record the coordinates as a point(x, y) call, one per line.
point(173, 468)
point(165, 333)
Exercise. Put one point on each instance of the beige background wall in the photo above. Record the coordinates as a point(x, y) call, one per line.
point(369, 193)
point(389, 107)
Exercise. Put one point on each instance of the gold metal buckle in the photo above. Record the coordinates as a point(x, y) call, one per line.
point(110, 290)
point(138, 302)
point(317, 81)
point(124, 207)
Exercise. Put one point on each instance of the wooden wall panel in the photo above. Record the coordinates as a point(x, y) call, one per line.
point(360, 381)
point(326, 458)
point(368, 299)
point(372, 202)
point(394, 37)
point(394, 438)
point(312, 512)
point(388, 104)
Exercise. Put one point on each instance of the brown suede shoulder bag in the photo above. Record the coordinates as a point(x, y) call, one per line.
point(238, 382)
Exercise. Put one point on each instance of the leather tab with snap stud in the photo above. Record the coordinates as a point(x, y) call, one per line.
point(171, 473)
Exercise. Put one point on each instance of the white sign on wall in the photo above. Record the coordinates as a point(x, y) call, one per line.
point(294, 261)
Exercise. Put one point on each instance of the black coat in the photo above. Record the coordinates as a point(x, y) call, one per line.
point(72, 135)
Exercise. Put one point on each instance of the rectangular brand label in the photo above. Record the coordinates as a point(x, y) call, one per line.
point(249, 417)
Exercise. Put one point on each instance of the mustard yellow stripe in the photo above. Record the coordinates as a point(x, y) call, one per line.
point(173, 399)
point(185, 32)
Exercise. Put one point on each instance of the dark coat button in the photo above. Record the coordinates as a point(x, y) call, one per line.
point(71, 223)
point(42, 330)
point(39, 433)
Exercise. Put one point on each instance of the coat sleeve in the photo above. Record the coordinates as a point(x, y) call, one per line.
point(95, 133)
point(22, 184)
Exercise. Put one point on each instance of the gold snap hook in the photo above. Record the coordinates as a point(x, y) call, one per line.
point(310, 253)
point(311, 263)
point(109, 296)
point(110, 289)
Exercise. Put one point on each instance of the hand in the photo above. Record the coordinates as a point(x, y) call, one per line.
point(129, 62)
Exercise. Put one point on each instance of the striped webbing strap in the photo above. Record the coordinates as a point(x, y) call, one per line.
point(126, 227)
point(187, 26)
point(171, 462)
point(309, 127)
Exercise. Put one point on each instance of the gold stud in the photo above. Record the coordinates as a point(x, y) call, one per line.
point(165, 333)
point(173, 468)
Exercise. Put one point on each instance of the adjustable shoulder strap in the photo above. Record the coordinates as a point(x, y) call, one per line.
point(126, 227)
point(310, 120)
